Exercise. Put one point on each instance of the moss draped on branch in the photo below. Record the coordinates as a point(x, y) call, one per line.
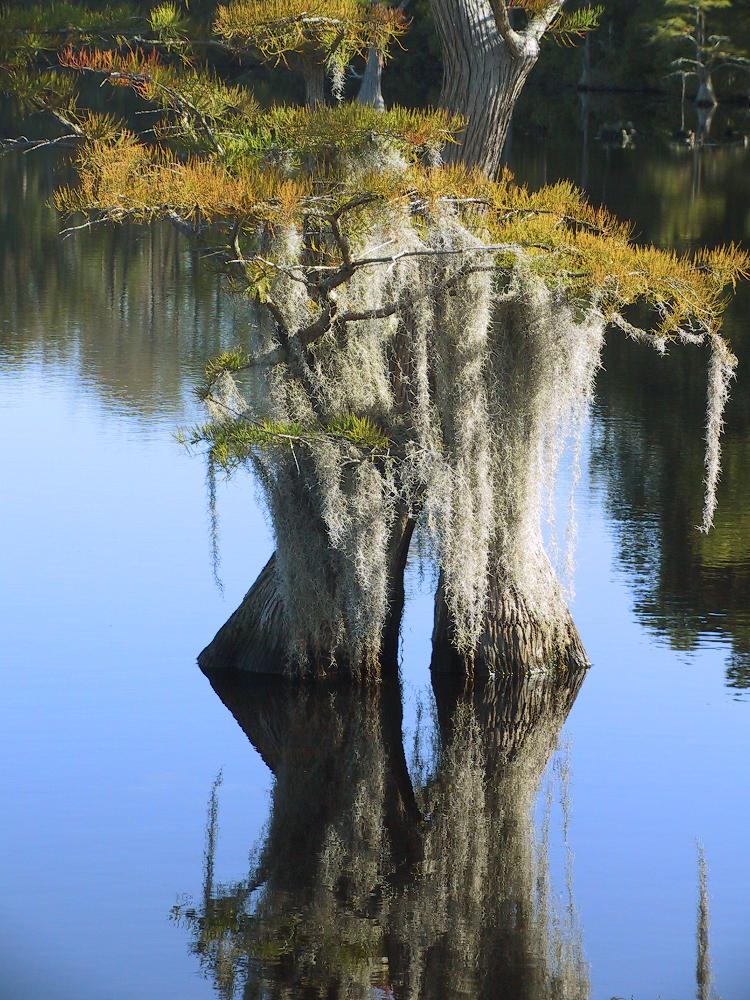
point(427, 337)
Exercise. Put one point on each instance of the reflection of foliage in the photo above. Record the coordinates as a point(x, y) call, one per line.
point(135, 313)
point(738, 670)
point(357, 887)
point(688, 585)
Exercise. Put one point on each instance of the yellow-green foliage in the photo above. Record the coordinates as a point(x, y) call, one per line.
point(234, 360)
point(566, 241)
point(205, 114)
point(343, 128)
point(126, 179)
point(162, 82)
point(318, 30)
point(571, 25)
point(167, 20)
point(360, 431)
point(199, 106)
point(232, 442)
point(39, 91)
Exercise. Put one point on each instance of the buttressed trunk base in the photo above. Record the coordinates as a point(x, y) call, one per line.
point(255, 638)
point(514, 638)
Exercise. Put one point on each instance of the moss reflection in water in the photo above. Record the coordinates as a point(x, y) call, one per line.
point(365, 883)
point(371, 883)
point(703, 975)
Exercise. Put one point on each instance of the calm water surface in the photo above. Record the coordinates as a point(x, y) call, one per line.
point(121, 882)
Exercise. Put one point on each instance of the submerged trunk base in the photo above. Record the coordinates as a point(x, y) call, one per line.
point(254, 639)
point(514, 638)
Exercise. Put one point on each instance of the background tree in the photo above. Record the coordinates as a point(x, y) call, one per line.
point(489, 47)
point(686, 25)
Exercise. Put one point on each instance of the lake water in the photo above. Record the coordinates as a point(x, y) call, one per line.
point(112, 739)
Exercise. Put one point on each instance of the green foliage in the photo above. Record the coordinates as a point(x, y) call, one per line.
point(231, 443)
point(203, 113)
point(679, 20)
point(322, 131)
point(26, 31)
point(360, 431)
point(39, 91)
point(167, 20)
point(260, 277)
point(234, 360)
point(572, 25)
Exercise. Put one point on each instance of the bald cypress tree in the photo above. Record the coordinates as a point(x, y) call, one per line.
point(427, 331)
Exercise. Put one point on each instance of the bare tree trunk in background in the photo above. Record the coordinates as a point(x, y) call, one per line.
point(706, 96)
point(370, 91)
point(485, 64)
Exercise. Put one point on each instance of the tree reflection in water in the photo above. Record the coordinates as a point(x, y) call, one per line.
point(689, 588)
point(370, 885)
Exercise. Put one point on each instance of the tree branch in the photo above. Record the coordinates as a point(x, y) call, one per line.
point(28, 145)
point(178, 99)
point(541, 22)
point(354, 317)
point(513, 39)
point(524, 44)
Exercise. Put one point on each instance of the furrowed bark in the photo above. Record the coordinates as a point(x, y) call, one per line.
point(514, 638)
point(483, 75)
point(314, 74)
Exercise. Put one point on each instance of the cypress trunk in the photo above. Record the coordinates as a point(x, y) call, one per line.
point(514, 638)
point(314, 74)
point(482, 79)
point(253, 640)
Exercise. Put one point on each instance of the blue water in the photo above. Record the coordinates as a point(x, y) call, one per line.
point(110, 735)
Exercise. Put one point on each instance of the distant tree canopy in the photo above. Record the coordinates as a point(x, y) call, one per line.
point(427, 333)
